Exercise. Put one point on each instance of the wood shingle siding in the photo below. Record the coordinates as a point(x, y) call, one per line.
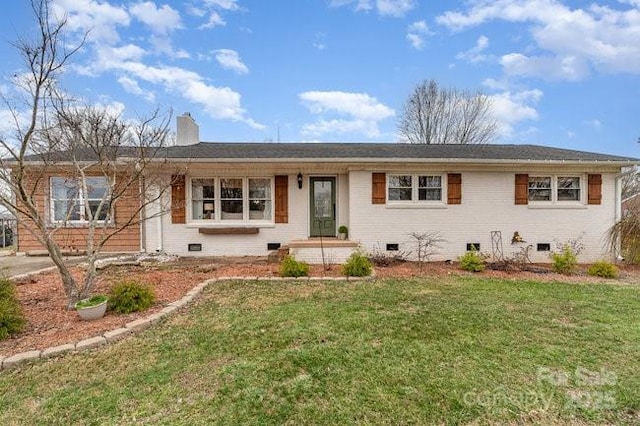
point(378, 188)
point(454, 188)
point(74, 238)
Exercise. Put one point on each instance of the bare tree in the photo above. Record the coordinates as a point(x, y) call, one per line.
point(630, 182)
point(435, 115)
point(86, 159)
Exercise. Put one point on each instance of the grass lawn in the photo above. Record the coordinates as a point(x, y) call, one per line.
point(412, 351)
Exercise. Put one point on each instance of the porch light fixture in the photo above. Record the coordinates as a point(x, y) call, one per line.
point(299, 180)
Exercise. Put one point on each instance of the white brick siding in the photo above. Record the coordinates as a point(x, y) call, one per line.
point(487, 205)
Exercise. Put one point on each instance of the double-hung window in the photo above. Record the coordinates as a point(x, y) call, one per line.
point(231, 199)
point(554, 189)
point(418, 188)
point(71, 202)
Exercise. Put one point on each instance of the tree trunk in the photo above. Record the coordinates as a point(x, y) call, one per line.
point(68, 282)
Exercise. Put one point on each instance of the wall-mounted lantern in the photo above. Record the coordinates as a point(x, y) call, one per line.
point(299, 180)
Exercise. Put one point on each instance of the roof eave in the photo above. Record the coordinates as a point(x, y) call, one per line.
point(621, 163)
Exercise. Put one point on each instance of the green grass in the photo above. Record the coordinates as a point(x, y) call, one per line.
point(419, 351)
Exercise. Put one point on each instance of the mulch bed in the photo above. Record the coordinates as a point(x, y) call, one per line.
point(49, 323)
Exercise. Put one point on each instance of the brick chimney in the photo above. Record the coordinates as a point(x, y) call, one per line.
point(188, 131)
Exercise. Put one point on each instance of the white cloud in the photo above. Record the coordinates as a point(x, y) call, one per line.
point(394, 8)
point(362, 112)
point(161, 20)
point(474, 55)
point(549, 67)
point(126, 61)
point(229, 59)
point(511, 108)
point(595, 123)
point(569, 43)
point(212, 9)
point(223, 4)
point(99, 19)
point(416, 33)
point(131, 86)
point(215, 20)
point(219, 102)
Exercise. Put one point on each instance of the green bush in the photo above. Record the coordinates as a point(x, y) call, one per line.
point(358, 265)
point(290, 267)
point(472, 261)
point(603, 269)
point(12, 318)
point(564, 262)
point(131, 296)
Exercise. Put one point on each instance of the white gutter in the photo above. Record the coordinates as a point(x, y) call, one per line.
point(621, 163)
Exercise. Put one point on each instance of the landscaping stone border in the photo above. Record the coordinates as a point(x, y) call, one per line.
point(140, 324)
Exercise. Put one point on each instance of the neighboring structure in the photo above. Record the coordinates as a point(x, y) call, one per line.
point(252, 198)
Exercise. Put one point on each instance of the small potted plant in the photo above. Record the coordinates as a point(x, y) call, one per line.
point(93, 307)
point(342, 232)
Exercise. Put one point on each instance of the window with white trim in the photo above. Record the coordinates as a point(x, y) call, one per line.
point(231, 199)
point(414, 188)
point(555, 188)
point(70, 202)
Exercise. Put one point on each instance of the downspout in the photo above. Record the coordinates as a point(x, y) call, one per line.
point(159, 247)
point(618, 214)
point(143, 218)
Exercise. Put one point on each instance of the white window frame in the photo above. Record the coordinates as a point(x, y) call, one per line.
point(415, 190)
point(554, 201)
point(80, 200)
point(217, 220)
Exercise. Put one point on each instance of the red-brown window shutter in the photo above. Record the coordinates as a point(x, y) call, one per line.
point(595, 189)
point(522, 189)
point(282, 199)
point(454, 188)
point(178, 192)
point(378, 188)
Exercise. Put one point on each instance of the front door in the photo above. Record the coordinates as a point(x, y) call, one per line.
point(323, 206)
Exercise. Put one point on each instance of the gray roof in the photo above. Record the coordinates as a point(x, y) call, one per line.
point(351, 152)
point(382, 151)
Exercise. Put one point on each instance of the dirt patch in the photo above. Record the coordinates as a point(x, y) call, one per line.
point(49, 323)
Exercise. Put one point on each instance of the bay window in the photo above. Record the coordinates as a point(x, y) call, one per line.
point(231, 199)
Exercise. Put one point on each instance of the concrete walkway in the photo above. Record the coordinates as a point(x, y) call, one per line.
point(18, 265)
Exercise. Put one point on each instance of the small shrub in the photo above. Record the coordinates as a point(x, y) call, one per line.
point(383, 258)
point(131, 296)
point(290, 267)
point(358, 265)
point(472, 261)
point(343, 229)
point(603, 269)
point(564, 262)
point(12, 319)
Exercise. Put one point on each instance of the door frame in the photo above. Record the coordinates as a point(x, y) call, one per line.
point(310, 203)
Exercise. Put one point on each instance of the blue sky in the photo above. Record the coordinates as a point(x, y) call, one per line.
point(560, 73)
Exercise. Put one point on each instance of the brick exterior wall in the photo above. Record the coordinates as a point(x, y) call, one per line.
point(74, 238)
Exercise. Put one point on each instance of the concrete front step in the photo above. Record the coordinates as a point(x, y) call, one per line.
point(325, 250)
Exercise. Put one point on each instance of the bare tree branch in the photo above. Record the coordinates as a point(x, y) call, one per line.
point(433, 115)
point(99, 161)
